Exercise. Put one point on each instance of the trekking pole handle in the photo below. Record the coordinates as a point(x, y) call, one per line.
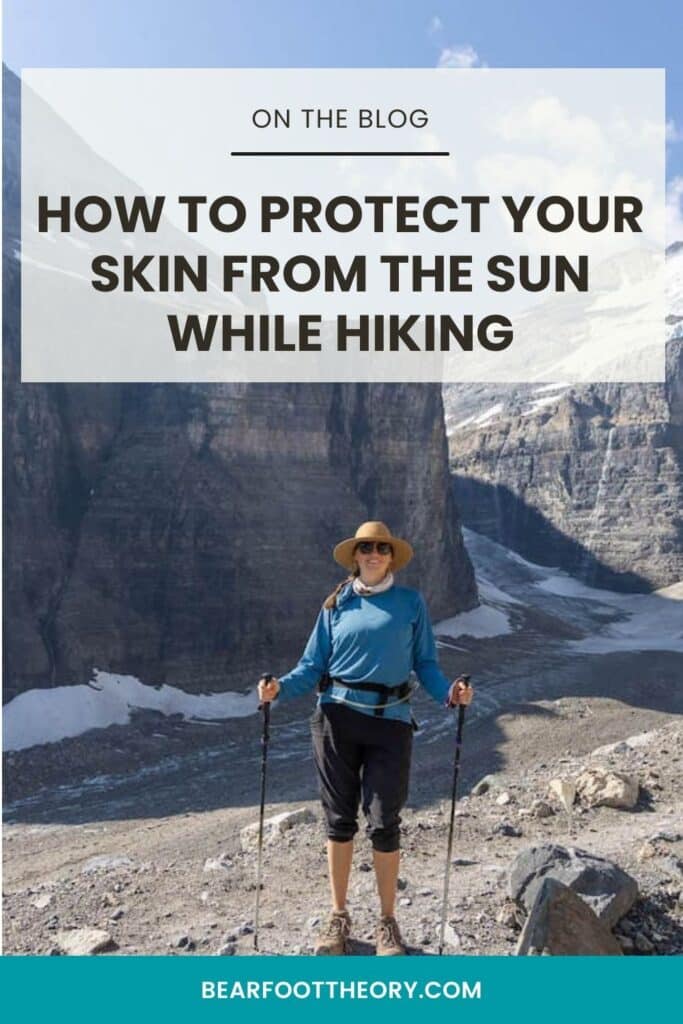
point(461, 679)
point(266, 678)
point(265, 708)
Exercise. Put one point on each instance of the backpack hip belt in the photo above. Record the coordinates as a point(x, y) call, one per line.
point(401, 692)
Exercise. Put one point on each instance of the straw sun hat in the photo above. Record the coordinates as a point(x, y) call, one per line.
point(343, 552)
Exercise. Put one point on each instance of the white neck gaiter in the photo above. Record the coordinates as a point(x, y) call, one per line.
point(362, 590)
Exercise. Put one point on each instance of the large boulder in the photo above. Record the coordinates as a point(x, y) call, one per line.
point(562, 924)
point(597, 787)
point(603, 885)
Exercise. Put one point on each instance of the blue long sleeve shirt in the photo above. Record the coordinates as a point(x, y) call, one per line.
point(379, 639)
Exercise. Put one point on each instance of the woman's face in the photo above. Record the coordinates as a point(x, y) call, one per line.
point(373, 565)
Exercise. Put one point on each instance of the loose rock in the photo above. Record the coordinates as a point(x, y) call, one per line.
point(643, 944)
point(85, 941)
point(505, 829)
point(275, 827)
point(507, 915)
point(597, 787)
point(565, 791)
point(221, 863)
point(106, 862)
point(603, 885)
point(560, 923)
point(541, 809)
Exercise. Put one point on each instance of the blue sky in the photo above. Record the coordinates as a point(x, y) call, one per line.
point(316, 33)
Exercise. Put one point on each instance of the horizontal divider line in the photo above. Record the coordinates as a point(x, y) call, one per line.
point(335, 153)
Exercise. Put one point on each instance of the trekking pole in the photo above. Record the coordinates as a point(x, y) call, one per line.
point(456, 765)
point(265, 736)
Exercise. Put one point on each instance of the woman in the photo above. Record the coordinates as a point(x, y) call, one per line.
point(369, 636)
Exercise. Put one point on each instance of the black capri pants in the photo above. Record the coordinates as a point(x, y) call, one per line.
point(358, 754)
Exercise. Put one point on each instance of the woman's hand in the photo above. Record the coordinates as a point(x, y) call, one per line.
point(268, 689)
point(460, 693)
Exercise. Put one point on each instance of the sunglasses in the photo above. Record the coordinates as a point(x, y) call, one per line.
point(366, 547)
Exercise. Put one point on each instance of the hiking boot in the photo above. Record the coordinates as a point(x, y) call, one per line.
point(388, 938)
point(332, 937)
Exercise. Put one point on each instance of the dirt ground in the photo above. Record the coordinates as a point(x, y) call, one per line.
point(135, 829)
point(145, 876)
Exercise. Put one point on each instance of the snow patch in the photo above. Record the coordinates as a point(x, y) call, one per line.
point(481, 419)
point(566, 586)
point(631, 293)
point(51, 715)
point(492, 594)
point(490, 414)
point(526, 563)
point(653, 622)
point(473, 542)
point(539, 403)
point(484, 621)
point(551, 387)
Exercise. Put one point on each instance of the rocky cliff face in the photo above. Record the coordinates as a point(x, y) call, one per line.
point(589, 477)
point(182, 533)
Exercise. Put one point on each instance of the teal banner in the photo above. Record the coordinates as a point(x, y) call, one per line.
point(492, 989)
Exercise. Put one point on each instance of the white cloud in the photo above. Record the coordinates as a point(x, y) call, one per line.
point(673, 133)
point(674, 210)
point(435, 25)
point(629, 132)
point(459, 57)
point(548, 122)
